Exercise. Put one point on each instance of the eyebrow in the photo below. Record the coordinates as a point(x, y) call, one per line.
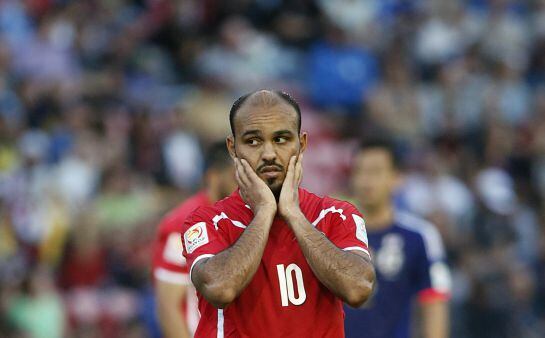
point(276, 133)
point(283, 132)
point(251, 132)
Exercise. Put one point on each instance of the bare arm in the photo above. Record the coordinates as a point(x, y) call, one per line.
point(435, 320)
point(220, 279)
point(169, 297)
point(349, 275)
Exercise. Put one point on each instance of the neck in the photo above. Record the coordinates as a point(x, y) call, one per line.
point(213, 194)
point(378, 217)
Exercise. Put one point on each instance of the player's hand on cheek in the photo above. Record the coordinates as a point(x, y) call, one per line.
point(288, 203)
point(252, 189)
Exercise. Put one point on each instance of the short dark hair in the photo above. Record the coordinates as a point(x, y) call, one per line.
point(217, 156)
point(283, 95)
point(382, 143)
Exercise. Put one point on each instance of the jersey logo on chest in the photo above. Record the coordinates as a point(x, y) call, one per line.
point(390, 256)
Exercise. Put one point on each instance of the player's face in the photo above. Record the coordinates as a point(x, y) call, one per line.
point(373, 177)
point(267, 137)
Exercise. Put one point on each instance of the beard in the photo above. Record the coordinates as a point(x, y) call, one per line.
point(275, 186)
point(274, 183)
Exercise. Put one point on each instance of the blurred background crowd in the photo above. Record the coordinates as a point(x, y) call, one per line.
point(106, 107)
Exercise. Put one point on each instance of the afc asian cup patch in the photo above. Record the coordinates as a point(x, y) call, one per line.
point(195, 237)
point(361, 233)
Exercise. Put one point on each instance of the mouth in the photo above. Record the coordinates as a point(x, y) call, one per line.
point(270, 174)
point(270, 171)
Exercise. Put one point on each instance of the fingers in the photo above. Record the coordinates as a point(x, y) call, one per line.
point(247, 175)
point(290, 175)
point(248, 171)
point(299, 170)
point(242, 178)
point(238, 179)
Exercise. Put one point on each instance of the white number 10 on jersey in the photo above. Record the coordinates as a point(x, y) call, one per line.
point(287, 288)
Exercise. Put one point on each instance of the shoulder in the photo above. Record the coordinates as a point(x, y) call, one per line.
point(340, 206)
point(423, 230)
point(325, 201)
point(345, 205)
point(415, 224)
point(232, 204)
point(328, 208)
point(202, 213)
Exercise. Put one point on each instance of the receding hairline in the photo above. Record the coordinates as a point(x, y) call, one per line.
point(264, 98)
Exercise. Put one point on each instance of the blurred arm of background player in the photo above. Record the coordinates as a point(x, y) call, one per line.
point(435, 322)
point(169, 298)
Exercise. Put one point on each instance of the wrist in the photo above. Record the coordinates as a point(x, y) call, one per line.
point(267, 209)
point(264, 217)
point(293, 215)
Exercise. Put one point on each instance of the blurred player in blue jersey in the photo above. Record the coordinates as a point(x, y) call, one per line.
point(407, 253)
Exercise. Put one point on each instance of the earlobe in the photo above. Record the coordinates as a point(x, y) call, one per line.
point(303, 141)
point(230, 142)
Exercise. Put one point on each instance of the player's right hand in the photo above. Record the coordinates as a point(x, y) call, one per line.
point(253, 190)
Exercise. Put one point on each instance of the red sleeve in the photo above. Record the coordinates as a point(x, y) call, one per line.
point(347, 227)
point(432, 295)
point(169, 265)
point(200, 237)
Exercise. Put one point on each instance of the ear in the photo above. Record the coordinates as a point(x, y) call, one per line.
point(303, 141)
point(230, 142)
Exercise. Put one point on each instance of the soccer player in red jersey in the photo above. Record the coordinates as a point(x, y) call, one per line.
point(272, 259)
point(176, 300)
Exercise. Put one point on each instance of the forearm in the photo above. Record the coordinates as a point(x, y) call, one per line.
point(169, 298)
point(348, 275)
point(221, 278)
point(435, 319)
point(172, 323)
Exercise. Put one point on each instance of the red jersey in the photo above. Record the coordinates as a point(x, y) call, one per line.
point(169, 265)
point(284, 298)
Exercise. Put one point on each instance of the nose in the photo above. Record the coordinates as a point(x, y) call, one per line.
point(269, 153)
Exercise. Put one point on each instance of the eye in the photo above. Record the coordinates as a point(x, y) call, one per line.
point(252, 142)
point(280, 139)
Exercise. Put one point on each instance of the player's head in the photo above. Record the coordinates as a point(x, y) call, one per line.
point(219, 170)
point(266, 132)
point(374, 173)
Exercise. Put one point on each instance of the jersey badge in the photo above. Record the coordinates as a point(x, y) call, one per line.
point(361, 233)
point(195, 237)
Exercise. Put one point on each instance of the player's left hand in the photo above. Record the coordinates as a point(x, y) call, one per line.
point(288, 203)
